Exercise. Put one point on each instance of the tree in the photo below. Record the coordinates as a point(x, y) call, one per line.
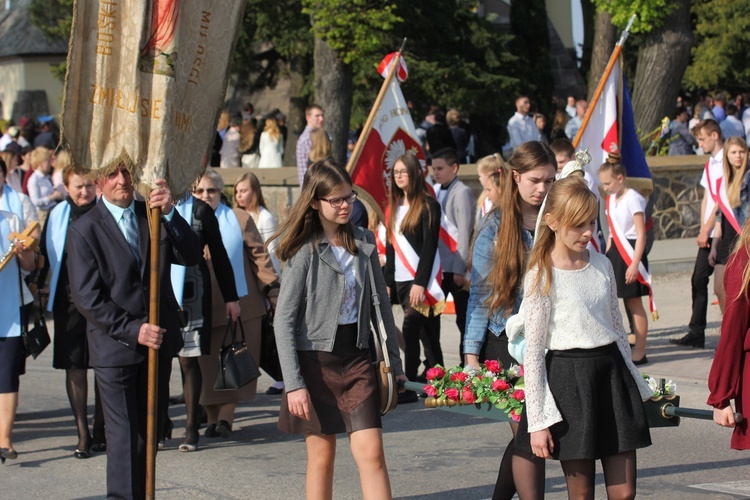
point(663, 35)
point(54, 20)
point(722, 35)
point(605, 37)
point(345, 31)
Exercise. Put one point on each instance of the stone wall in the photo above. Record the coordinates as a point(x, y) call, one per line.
point(677, 191)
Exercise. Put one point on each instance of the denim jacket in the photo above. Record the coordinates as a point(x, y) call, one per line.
point(478, 316)
point(740, 213)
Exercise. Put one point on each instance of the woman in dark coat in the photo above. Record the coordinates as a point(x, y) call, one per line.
point(71, 348)
point(192, 287)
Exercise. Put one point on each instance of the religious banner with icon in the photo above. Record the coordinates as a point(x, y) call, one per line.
point(145, 84)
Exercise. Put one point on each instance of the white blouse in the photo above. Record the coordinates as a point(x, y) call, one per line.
point(266, 224)
point(580, 312)
point(625, 208)
point(348, 307)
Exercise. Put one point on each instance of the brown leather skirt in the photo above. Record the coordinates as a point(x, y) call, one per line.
point(342, 388)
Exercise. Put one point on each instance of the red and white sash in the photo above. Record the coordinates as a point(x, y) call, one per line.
point(434, 296)
point(626, 252)
point(594, 241)
point(380, 239)
point(448, 230)
point(719, 195)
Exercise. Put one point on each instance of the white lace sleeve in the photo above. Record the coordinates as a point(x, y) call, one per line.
point(622, 336)
point(541, 409)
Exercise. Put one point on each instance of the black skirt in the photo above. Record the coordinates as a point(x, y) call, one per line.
point(601, 407)
point(342, 388)
point(625, 291)
point(496, 347)
point(12, 363)
point(726, 243)
point(70, 347)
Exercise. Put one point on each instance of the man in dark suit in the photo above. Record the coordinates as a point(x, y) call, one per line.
point(108, 264)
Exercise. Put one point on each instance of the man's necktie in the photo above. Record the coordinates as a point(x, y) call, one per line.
point(131, 234)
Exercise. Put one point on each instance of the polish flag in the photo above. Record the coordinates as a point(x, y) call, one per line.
point(393, 134)
point(601, 133)
point(386, 63)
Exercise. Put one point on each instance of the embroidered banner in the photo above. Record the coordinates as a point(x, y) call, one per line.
point(145, 83)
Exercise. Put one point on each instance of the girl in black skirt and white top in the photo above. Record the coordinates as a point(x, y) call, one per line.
point(322, 327)
point(627, 208)
point(584, 397)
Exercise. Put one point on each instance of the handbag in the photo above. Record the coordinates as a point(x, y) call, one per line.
point(386, 379)
point(36, 339)
point(236, 368)
point(269, 353)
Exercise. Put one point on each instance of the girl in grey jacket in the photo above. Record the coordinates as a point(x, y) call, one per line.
point(322, 327)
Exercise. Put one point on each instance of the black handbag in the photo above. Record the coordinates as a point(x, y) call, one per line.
point(237, 368)
point(37, 339)
point(269, 353)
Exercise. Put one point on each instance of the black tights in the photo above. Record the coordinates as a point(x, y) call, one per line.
point(191, 386)
point(619, 476)
point(519, 470)
point(76, 385)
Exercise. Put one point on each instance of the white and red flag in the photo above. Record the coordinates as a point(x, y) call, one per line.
point(391, 135)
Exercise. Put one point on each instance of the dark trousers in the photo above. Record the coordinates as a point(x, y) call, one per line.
point(461, 302)
point(414, 323)
point(124, 391)
point(699, 281)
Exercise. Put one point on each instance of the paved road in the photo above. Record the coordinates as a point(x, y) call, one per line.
point(431, 453)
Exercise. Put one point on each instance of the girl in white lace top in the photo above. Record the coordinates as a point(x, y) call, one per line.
point(584, 397)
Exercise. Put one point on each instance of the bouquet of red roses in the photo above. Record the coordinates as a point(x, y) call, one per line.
point(491, 383)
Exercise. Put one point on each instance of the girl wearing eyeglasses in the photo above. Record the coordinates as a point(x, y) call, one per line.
point(323, 334)
point(412, 263)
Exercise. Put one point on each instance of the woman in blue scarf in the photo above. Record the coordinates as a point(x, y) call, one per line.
point(11, 344)
point(71, 348)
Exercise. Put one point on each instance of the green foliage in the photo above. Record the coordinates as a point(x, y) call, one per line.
point(53, 18)
point(531, 45)
point(722, 35)
point(651, 13)
point(352, 27)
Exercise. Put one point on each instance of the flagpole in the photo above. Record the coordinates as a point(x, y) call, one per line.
point(373, 112)
point(602, 82)
point(152, 395)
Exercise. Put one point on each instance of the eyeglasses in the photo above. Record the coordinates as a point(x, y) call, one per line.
point(337, 202)
point(399, 173)
point(208, 191)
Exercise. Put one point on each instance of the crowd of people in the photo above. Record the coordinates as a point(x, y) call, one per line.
point(533, 236)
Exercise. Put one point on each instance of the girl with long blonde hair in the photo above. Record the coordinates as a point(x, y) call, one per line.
point(271, 145)
point(735, 183)
point(501, 248)
point(584, 397)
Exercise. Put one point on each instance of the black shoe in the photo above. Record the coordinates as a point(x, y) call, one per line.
point(177, 400)
point(211, 431)
point(407, 397)
point(223, 428)
point(274, 391)
point(8, 454)
point(98, 447)
point(690, 340)
point(82, 454)
point(641, 361)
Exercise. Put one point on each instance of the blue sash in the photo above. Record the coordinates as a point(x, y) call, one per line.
point(185, 209)
point(10, 306)
point(231, 235)
point(57, 232)
point(11, 202)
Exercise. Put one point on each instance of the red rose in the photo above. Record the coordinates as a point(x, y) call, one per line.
point(451, 394)
point(519, 395)
point(468, 395)
point(500, 385)
point(435, 373)
point(492, 365)
point(430, 390)
point(520, 370)
point(459, 377)
point(515, 416)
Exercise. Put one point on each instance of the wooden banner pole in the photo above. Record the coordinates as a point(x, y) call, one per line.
point(373, 112)
point(603, 81)
point(154, 223)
